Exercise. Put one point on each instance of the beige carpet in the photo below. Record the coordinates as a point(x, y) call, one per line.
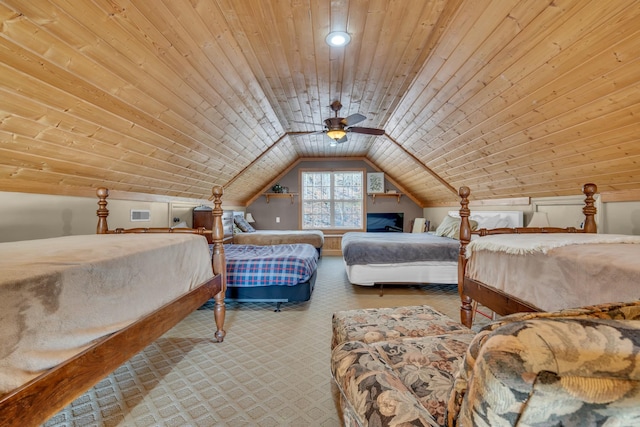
point(271, 370)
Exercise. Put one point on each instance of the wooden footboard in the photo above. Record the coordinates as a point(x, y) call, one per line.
point(218, 263)
point(46, 395)
point(501, 303)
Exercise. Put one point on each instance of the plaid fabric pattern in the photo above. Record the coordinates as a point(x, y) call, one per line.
point(284, 265)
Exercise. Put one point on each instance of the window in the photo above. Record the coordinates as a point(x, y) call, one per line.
point(332, 199)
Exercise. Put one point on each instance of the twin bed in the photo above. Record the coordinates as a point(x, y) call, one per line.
point(270, 265)
point(390, 258)
point(75, 308)
point(273, 273)
point(406, 258)
point(505, 267)
point(520, 269)
point(314, 238)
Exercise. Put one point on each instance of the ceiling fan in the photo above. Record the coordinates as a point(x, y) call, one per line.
point(336, 128)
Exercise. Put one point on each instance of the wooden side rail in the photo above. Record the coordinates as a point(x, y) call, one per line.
point(466, 307)
point(218, 263)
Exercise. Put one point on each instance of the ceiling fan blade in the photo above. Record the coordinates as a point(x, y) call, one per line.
point(367, 131)
point(353, 119)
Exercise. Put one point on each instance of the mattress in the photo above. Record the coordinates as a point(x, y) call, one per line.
point(561, 277)
point(274, 265)
point(58, 295)
point(360, 248)
point(314, 238)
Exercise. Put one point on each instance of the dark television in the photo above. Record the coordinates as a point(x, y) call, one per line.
point(385, 222)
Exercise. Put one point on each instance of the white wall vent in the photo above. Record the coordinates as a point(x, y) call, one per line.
point(140, 215)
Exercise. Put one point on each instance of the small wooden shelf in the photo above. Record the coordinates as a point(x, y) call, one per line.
point(280, 195)
point(374, 195)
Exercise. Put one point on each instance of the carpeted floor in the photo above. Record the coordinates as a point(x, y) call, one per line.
point(271, 370)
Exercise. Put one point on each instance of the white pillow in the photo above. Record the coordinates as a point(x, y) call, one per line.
point(488, 222)
point(450, 227)
point(494, 221)
point(503, 222)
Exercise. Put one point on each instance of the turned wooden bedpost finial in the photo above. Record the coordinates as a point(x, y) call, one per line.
point(589, 209)
point(216, 196)
point(102, 211)
point(466, 309)
point(465, 226)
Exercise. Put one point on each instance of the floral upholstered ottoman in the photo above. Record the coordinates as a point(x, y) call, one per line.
point(413, 366)
point(396, 366)
point(382, 324)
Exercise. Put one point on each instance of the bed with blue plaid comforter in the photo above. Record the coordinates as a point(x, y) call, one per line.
point(273, 265)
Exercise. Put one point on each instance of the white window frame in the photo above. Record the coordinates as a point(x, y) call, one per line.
point(333, 201)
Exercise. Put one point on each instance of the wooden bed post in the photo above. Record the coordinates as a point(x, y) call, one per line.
point(102, 211)
point(218, 262)
point(589, 209)
point(466, 309)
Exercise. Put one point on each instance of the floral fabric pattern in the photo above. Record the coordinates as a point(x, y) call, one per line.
point(629, 311)
point(382, 324)
point(398, 383)
point(555, 371)
point(411, 366)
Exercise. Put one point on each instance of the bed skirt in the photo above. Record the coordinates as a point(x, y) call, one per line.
point(297, 293)
point(445, 272)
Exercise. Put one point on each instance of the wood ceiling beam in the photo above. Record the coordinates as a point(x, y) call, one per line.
point(425, 167)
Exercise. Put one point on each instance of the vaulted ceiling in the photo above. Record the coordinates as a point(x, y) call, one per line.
point(169, 97)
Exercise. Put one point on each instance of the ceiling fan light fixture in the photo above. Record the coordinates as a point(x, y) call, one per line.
point(338, 38)
point(336, 134)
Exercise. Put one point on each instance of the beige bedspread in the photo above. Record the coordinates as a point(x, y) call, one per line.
point(521, 244)
point(58, 295)
point(563, 277)
point(280, 237)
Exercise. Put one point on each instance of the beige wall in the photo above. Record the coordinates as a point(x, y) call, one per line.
point(622, 218)
point(35, 216)
point(25, 216)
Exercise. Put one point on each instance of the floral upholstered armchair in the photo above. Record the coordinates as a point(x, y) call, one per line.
point(578, 367)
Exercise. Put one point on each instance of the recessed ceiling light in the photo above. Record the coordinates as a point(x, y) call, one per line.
point(338, 38)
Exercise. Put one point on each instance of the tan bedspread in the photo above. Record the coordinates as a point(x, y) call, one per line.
point(521, 244)
point(58, 295)
point(564, 277)
point(280, 237)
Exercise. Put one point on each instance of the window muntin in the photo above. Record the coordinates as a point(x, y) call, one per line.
point(332, 200)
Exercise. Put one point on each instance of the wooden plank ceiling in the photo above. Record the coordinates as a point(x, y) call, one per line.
point(169, 97)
